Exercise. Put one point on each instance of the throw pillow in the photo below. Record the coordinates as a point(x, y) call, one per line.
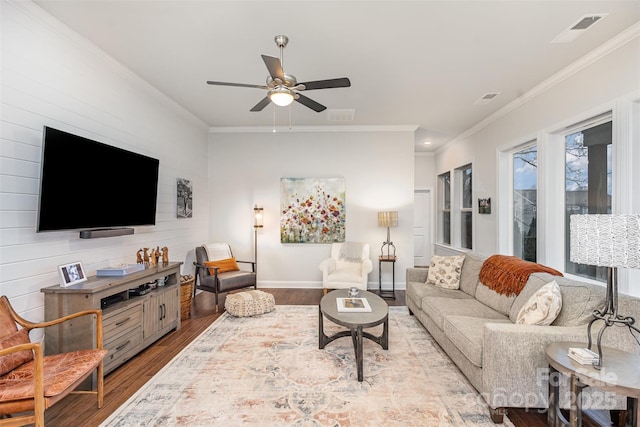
point(224, 265)
point(444, 271)
point(543, 307)
point(11, 361)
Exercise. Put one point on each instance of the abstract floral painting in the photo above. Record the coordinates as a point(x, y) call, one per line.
point(312, 210)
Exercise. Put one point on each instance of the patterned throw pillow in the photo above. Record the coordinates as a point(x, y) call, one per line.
point(444, 271)
point(224, 265)
point(543, 307)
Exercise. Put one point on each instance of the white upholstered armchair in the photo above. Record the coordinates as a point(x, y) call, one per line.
point(348, 266)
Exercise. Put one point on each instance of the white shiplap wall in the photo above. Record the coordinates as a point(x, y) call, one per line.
point(51, 76)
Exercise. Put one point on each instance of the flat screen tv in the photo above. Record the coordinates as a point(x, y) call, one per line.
point(85, 184)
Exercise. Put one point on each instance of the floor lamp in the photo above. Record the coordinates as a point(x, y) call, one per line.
point(257, 224)
point(610, 241)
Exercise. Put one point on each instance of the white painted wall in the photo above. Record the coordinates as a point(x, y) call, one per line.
point(245, 169)
point(50, 76)
point(607, 80)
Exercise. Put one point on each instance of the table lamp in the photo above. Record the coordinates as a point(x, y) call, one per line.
point(610, 241)
point(388, 219)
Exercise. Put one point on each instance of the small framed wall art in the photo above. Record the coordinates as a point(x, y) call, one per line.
point(71, 274)
point(484, 206)
point(184, 202)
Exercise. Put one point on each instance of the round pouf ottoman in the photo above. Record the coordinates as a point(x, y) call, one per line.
point(249, 303)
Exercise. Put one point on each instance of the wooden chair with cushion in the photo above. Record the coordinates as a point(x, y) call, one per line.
point(218, 271)
point(31, 382)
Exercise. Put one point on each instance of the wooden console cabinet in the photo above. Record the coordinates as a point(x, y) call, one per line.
point(130, 323)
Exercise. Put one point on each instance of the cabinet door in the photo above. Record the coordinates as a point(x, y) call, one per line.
point(153, 312)
point(171, 301)
point(161, 312)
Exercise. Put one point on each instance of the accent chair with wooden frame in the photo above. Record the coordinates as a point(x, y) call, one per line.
point(31, 382)
point(219, 278)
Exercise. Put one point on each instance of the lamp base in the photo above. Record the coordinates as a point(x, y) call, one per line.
point(609, 314)
point(388, 245)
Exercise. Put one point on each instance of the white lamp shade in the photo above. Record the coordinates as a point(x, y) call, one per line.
point(388, 219)
point(605, 240)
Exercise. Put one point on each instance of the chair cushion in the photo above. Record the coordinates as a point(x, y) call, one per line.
point(346, 272)
point(11, 361)
point(249, 303)
point(235, 279)
point(439, 308)
point(224, 265)
point(61, 371)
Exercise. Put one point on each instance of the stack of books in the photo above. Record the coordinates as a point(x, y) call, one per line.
point(584, 356)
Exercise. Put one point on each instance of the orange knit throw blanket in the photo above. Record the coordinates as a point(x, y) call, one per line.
point(507, 275)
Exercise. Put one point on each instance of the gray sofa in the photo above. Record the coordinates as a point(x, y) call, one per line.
point(503, 360)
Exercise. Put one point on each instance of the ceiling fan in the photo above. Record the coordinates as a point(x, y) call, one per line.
point(284, 88)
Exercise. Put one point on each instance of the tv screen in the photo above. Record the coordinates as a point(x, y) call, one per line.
point(85, 184)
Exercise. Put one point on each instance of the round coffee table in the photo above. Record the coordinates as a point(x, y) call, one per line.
point(356, 322)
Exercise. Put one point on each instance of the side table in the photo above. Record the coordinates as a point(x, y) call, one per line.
point(389, 294)
point(619, 374)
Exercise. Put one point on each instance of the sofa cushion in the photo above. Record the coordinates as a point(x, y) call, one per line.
point(444, 271)
point(491, 298)
point(12, 360)
point(579, 300)
point(471, 272)
point(421, 290)
point(439, 308)
point(543, 307)
point(467, 334)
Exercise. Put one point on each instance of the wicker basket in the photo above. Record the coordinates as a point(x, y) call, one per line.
point(186, 295)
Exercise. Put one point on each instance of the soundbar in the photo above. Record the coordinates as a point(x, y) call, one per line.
point(105, 232)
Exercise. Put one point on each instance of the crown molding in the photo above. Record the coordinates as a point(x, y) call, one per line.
point(44, 19)
point(308, 129)
point(595, 55)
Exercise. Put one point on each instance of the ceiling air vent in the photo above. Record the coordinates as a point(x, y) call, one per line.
point(578, 28)
point(334, 115)
point(486, 98)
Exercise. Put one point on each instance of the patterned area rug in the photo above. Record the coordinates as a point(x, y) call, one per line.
point(268, 371)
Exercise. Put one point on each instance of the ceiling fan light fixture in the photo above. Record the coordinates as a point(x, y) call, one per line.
point(281, 97)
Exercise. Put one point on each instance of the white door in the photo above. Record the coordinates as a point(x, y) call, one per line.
point(422, 228)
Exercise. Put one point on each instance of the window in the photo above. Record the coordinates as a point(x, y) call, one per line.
point(525, 201)
point(588, 173)
point(464, 186)
point(444, 202)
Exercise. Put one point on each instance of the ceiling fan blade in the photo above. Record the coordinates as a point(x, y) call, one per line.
point(274, 66)
point(236, 85)
point(327, 84)
point(307, 102)
point(260, 105)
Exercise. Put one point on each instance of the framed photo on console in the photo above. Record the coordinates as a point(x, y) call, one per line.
point(71, 274)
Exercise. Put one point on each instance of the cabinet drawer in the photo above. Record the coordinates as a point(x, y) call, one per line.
point(122, 347)
point(115, 323)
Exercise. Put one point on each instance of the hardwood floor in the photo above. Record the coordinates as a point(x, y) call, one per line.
point(127, 379)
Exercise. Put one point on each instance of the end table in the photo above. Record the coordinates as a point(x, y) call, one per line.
point(619, 374)
point(389, 294)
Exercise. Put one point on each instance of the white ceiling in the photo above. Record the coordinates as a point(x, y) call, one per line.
point(411, 63)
